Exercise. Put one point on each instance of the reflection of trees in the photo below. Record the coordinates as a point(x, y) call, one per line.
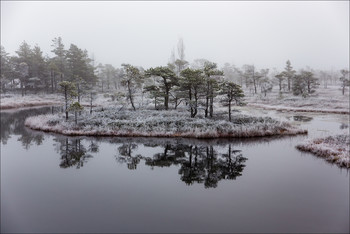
point(125, 155)
point(192, 170)
point(172, 155)
point(12, 123)
point(199, 163)
point(93, 147)
point(27, 138)
point(207, 166)
point(73, 152)
point(233, 165)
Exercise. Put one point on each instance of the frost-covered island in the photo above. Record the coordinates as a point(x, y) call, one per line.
point(111, 122)
point(333, 148)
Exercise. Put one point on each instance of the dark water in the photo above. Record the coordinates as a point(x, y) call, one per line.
point(53, 183)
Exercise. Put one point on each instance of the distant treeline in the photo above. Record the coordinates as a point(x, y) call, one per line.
point(196, 82)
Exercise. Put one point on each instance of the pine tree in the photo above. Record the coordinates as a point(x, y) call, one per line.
point(345, 81)
point(60, 58)
point(212, 75)
point(192, 85)
point(304, 83)
point(232, 93)
point(131, 80)
point(289, 74)
point(69, 91)
point(167, 81)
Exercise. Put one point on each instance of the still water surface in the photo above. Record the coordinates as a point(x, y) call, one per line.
point(54, 183)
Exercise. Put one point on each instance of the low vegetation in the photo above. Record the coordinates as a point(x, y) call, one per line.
point(333, 148)
point(112, 122)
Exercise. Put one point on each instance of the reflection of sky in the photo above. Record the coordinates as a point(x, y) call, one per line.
point(280, 190)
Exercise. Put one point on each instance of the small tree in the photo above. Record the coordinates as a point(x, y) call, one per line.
point(211, 73)
point(280, 78)
point(310, 80)
point(232, 93)
point(252, 77)
point(131, 79)
point(289, 74)
point(192, 85)
point(344, 79)
point(69, 91)
point(76, 107)
point(154, 93)
point(168, 80)
point(266, 85)
point(23, 72)
point(92, 97)
point(304, 83)
point(299, 86)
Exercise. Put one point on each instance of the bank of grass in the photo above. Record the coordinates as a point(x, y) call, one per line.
point(334, 149)
point(150, 123)
point(324, 100)
point(14, 101)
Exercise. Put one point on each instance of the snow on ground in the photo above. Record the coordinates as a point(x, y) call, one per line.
point(151, 123)
point(332, 148)
point(324, 100)
point(11, 101)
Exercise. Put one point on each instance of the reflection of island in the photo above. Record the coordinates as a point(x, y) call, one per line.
point(73, 152)
point(199, 163)
point(12, 123)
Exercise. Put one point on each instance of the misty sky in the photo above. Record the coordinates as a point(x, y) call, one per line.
point(266, 34)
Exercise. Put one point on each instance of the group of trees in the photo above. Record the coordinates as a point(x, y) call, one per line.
point(72, 72)
point(303, 83)
point(196, 87)
point(30, 69)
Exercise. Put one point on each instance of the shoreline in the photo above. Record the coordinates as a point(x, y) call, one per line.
point(298, 109)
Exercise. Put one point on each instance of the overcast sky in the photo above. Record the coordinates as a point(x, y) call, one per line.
point(266, 34)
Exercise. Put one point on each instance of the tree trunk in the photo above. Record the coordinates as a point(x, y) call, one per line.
point(76, 117)
point(211, 106)
point(130, 96)
point(229, 110)
point(288, 78)
point(191, 107)
point(90, 102)
point(176, 103)
point(207, 100)
point(52, 75)
point(254, 83)
point(79, 96)
point(66, 100)
point(22, 89)
point(166, 99)
point(195, 104)
point(280, 84)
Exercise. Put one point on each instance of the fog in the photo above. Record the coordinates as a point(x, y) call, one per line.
point(266, 34)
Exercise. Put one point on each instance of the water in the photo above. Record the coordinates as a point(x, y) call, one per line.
point(53, 183)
